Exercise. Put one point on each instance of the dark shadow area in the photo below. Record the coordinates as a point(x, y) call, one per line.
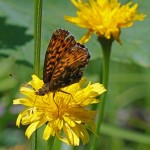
point(24, 62)
point(12, 35)
point(3, 56)
point(20, 62)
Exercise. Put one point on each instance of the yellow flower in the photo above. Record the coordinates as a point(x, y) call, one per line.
point(64, 114)
point(104, 17)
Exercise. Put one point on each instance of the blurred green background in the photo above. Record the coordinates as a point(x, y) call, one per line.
point(127, 114)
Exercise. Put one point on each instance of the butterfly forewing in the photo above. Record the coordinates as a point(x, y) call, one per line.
point(57, 47)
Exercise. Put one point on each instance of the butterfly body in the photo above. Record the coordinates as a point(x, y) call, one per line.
point(64, 61)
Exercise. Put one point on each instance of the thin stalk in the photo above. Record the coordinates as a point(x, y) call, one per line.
point(106, 49)
point(50, 143)
point(57, 143)
point(37, 35)
point(37, 47)
point(34, 141)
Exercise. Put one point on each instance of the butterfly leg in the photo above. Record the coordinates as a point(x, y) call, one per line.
point(55, 102)
point(68, 94)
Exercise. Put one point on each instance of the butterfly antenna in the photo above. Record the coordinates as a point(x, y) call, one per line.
point(11, 75)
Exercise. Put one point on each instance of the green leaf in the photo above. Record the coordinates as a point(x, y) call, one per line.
point(125, 134)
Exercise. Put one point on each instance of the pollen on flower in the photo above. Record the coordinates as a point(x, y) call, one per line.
point(62, 113)
point(104, 17)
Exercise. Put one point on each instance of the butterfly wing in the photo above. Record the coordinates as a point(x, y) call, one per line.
point(58, 46)
point(69, 68)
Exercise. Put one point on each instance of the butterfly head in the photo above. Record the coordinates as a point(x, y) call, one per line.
point(43, 90)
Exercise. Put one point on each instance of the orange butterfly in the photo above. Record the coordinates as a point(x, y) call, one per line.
point(64, 60)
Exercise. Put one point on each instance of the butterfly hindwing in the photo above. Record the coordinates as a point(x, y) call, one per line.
point(69, 68)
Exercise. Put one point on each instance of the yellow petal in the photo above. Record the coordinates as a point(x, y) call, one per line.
point(32, 127)
point(48, 132)
point(98, 88)
point(23, 101)
point(71, 135)
point(68, 121)
point(83, 134)
point(86, 37)
point(18, 120)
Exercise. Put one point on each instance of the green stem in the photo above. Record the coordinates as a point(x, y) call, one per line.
point(34, 141)
point(106, 48)
point(37, 47)
point(37, 35)
point(57, 143)
point(50, 142)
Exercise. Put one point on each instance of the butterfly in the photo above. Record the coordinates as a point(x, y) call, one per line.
point(64, 61)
